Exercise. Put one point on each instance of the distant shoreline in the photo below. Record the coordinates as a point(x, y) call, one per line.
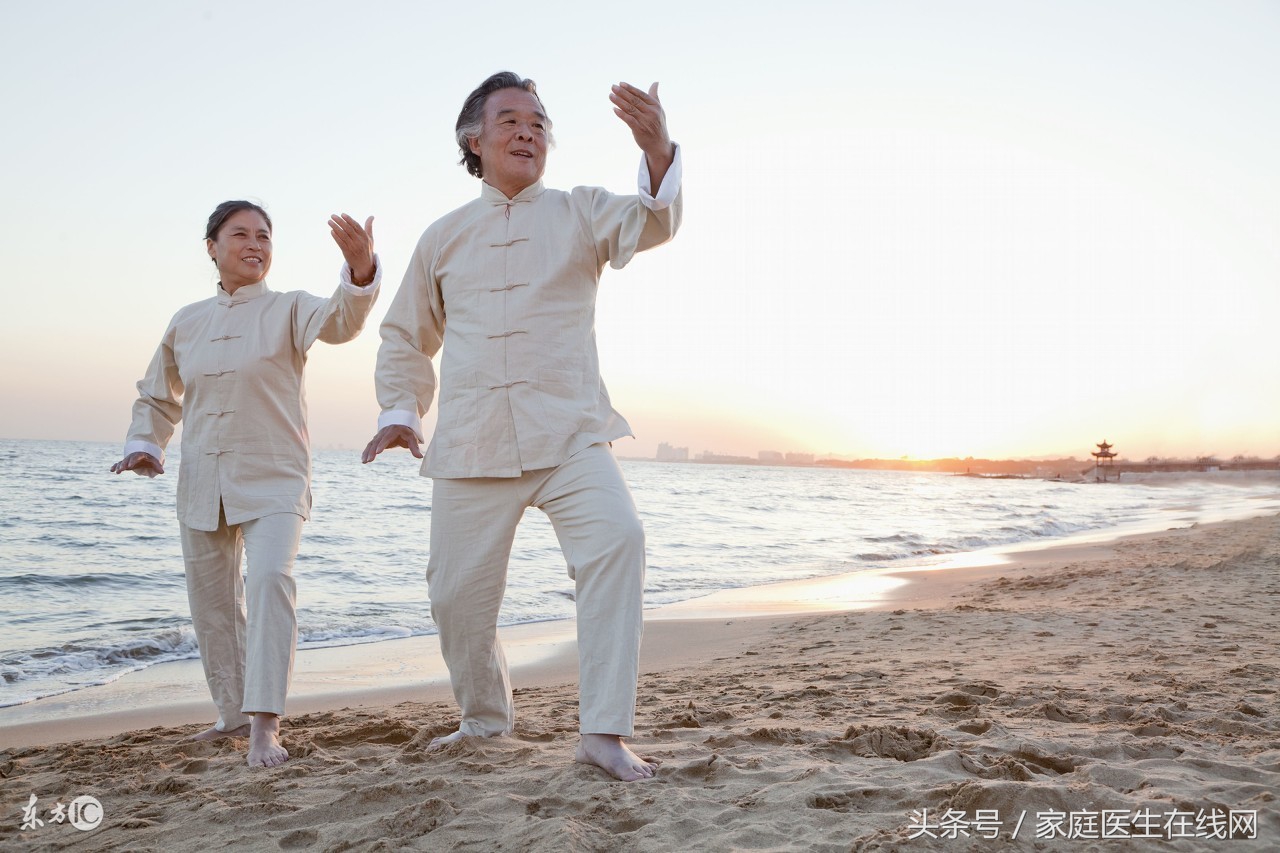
point(1066, 468)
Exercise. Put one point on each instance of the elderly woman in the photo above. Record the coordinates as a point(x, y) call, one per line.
point(230, 368)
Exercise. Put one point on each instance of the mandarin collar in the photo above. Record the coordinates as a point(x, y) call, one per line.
point(493, 195)
point(242, 294)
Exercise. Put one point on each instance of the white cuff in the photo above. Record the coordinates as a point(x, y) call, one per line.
point(140, 446)
point(369, 289)
point(399, 417)
point(666, 193)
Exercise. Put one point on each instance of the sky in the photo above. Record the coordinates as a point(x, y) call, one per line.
point(919, 228)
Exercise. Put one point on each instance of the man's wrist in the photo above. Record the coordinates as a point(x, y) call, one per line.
point(663, 152)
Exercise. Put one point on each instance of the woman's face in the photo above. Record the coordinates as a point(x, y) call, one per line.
point(242, 249)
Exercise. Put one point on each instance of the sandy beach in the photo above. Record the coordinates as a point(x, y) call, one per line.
point(1108, 696)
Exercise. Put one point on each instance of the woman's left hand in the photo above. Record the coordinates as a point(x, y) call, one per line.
point(356, 244)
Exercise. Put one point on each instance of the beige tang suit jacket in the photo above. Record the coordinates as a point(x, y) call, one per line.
point(508, 288)
point(230, 368)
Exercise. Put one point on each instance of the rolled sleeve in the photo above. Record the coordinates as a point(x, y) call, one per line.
point(670, 188)
point(399, 417)
point(348, 284)
point(139, 446)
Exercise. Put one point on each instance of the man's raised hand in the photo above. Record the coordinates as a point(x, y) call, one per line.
point(643, 113)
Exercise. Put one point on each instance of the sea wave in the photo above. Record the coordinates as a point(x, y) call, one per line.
point(319, 638)
point(49, 671)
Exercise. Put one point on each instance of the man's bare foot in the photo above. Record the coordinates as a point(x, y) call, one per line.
point(264, 742)
point(214, 733)
point(446, 740)
point(614, 757)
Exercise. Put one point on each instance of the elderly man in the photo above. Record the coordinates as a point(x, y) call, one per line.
point(506, 286)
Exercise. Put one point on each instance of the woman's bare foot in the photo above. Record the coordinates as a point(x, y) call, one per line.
point(614, 757)
point(264, 742)
point(214, 733)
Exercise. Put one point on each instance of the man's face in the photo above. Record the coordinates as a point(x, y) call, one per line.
point(513, 144)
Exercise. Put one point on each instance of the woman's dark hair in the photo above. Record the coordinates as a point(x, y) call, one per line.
point(224, 211)
point(471, 119)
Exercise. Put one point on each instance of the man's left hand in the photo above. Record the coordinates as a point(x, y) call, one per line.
point(643, 113)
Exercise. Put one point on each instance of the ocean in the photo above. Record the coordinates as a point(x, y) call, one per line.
point(92, 588)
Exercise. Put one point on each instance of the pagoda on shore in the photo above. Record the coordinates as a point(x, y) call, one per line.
point(1106, 459)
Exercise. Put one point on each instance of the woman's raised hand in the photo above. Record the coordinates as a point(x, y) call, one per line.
point(356, 244)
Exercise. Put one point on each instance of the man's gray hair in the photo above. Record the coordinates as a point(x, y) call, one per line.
point(471, 119)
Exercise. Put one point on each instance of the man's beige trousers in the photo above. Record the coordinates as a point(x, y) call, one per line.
point(473, 523)
point(248, 658)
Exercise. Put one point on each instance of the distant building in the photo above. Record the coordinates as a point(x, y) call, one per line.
point(667, 453)
point(1106, 461)
point(771, 457)
point(799, 458)
point(711, 457)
